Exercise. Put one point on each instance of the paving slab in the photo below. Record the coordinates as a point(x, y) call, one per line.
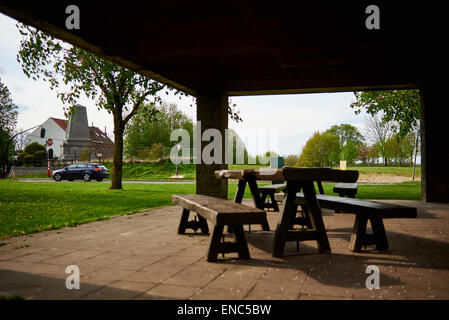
point(142, 257)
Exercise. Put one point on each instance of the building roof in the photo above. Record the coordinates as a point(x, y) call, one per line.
point(96, 135)
point(60, 122)
point(263, 47)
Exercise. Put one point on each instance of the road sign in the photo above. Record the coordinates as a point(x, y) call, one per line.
point(49, 142)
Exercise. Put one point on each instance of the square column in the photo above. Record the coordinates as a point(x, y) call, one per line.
point(434, 144)
point(212, 111)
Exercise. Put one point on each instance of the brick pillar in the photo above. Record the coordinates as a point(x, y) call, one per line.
point(434, 144)
point(212, 111)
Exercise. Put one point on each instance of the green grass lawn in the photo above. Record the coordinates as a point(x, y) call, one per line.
point(28, 207)
point(394, 171)
point(166, 169)
point(156, 170)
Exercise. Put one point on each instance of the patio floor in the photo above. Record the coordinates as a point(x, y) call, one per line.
point(141, 256)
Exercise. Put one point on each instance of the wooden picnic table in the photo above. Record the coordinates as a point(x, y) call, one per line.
point(297, 179)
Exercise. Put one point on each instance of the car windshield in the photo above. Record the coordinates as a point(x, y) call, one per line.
point(102, 167)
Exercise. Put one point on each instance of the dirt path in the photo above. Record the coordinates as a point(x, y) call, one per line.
point(383, 178)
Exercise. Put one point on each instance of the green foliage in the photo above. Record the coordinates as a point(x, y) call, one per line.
point(350, 140)
point(147, 129)
point(32, 155)
point(8, 120)
point(291, 160)
point(237, 152)
point(114, 88)
point(5, 136)
point(321, 150)
point(350, 152)
point(400, 149)
point(8, 112)
point(34, 147)
point(400, 106)
point(346, 133)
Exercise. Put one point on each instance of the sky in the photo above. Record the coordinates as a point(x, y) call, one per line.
point(291, 118)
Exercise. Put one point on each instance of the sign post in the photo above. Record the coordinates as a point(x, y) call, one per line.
point(49, 143)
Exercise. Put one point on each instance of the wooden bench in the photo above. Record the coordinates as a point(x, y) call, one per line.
point(364, 210)
point(269, 191)
point(346, 189)
point(220, 213)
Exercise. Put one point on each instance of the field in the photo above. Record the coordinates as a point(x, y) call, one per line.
point(164, 170)
point(29, 207)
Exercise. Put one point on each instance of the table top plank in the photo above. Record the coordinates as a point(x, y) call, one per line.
point(291, 174)
point(220, 211)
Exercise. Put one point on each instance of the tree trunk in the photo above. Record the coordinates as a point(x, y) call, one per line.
point(117, 162)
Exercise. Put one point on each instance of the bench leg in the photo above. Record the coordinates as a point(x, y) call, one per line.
point(217, 246)
point(287, 215)
point(305, 217)
point(242, 245)
point(264, 201)
point(195, 225)
point(316, 217)
point(214, 244)
point(359, 237)
point(258, 201)
point(274, 203)
point(379, 233)
point(358, 234)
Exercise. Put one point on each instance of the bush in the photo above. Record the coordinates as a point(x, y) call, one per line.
point(33, 147)
point(157, 151)
point(28, 159)
point(291, 160)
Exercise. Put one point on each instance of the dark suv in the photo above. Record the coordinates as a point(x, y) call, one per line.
point(85, 171)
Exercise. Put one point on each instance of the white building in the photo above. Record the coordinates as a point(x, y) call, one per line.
point(54, 129)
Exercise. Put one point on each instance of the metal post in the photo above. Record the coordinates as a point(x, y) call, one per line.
point(414, 161)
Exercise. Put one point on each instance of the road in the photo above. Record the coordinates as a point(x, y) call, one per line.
point(124, 181)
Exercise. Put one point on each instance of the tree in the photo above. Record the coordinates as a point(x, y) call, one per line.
point(21, 140)
point(321, 150)
point(291, 160)
point(401, 148)
point(350, 139)
point(237, 152)
point(363, 154)
point(118, 90)
point(34, 153)
point(400, 107)
point(147, 129)
point(346, 133)
point(8, 112)
point(350, 152)
point(34, 147)
point(373, 154)
point(8, 120)
point(378, 132)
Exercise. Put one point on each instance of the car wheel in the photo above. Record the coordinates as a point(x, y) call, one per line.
point(86, 177)
point(58, 177)
point(100, 179)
